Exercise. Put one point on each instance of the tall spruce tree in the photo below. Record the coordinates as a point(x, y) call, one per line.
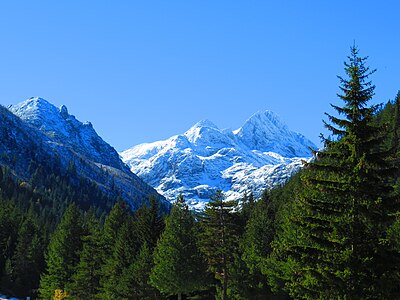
point(336, 244)
point(139, 276)
point(86, 279)
point(9, 218)
point(126, 269)
point(27, 261)
point(149, 223)
point(112, 225)
point(219, 239)
point(179, 267)
point(255, 247)
point(115, 279)
point(110, 269)
point(62, 254)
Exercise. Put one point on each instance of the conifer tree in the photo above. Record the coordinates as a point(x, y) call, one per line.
point(255, 247)
point(396, 125)
point(259, 233)
point(247, 204)
point(336, 243)
point(86, 279)
point(219, 240)
point(62, 254)
point(110, 269)
point(126, 269)
point(9, 219)
point(149, 223)
point(114, 276)
point(179, 267)
point(140, 272)
point(112, 225)
point(28, 259)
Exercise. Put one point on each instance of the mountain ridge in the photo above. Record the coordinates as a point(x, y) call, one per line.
point(260, 154)
point(64, 128)
point(35, 131)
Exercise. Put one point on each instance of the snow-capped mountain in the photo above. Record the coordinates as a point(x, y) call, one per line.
point(61, 127)
point(35, 131)
point(258, 155)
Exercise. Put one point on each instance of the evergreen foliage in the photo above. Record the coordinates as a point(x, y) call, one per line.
point(9, 217)
point(128, 259)
point(86, 278)
point(219, 238)
point(140, 271)
point(112, 225)
point(122, 255)
point(27, 261)
point(336, 240)
point(179, 267)
point(255, 247)
point(63, 253)
point(149, 223)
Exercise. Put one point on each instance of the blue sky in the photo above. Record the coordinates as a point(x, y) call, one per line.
point(141, 71)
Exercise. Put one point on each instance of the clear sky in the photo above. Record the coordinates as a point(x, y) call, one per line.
point(141, 71)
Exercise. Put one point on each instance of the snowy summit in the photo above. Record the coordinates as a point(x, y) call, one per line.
point(44, 133)
point(258, 155)
point(64, 128)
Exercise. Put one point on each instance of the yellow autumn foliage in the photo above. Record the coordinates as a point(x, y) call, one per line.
point(60, 294)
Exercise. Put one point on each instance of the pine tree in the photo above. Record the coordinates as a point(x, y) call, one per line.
point(246, 208)
point(140, 272)
point(114, 278)
point(127, 239)
point(116, 219)
point(112, 224)
point(336, 241)
point(149, 223)
point(218, 239)
point(9, 219)
point(255, 248)
point(28, 258)
point(86, 279)
point(62, 254)
point(179, 267)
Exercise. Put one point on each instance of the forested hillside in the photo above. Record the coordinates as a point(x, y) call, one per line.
point(331, 232)
point(38, 137)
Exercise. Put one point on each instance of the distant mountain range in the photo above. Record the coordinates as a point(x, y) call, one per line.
point(37, 133)
point(260, 154)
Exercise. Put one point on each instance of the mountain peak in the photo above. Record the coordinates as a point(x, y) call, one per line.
point(34, 110)
point(264, 131)
point(205, 133)
point(64, 128)
point(36, 106)
point(205, 123)
point(36, 102)
point(265, 118)
point(35, 133)
point(260, 154)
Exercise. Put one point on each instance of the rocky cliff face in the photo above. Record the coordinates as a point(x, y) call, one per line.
point(259, 155)
point(61, 127)
point(36, 132)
